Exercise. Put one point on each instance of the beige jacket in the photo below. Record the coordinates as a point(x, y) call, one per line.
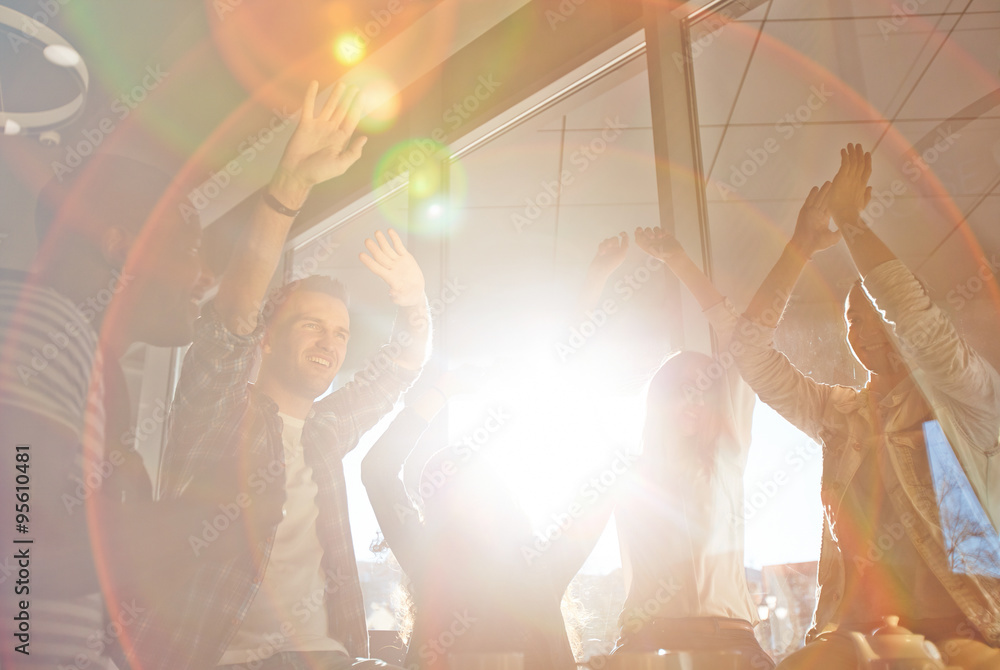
point(963, 391)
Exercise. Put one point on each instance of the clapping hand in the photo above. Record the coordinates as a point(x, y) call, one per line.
point(812, 229)
point(396, 267)
point(850, 192)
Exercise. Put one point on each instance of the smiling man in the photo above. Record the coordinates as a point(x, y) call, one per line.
point(275, 585)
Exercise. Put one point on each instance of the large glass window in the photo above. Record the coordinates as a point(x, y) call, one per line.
point(780, 89)
point(523, 211)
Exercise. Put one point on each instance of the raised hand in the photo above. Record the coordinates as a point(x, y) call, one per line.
point(812, 229)
point(610, 255)
point(321, 147)
point(658, 243)
point(396, 267)
point(850, 192)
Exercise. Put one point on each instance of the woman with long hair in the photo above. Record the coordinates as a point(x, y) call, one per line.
point(681, 527)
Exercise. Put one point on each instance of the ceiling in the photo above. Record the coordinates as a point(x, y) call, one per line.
point(889, 75)
point(224, 69)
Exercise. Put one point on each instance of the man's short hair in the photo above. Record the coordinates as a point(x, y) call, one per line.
point(106, 191)
point(317, 283)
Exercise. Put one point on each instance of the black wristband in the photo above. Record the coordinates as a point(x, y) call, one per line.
point(273, 203)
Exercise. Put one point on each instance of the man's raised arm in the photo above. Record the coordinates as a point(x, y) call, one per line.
point(799, 399)
point(321, 148)
point(392, 263)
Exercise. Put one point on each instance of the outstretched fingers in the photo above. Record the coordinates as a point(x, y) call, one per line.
point(344, 105)
point(377, 253)
point(380, 270)
point(822, 194)
point(397, 242)
point(383, 244)
point(309, 104)
point(354, 112)
point(811, 198)
point(332, 101)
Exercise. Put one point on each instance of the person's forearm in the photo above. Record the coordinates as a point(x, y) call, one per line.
point(256, 256)
point(695, 280)
point(867, 250)
point(769, 302)
point(413, 334)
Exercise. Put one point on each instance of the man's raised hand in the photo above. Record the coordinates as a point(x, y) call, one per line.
point(812, 229)
point(850, 192)
point(321, 147)
point(396, 267)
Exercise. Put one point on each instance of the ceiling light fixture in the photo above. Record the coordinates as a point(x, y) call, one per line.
point(61, 55)
point(26, 30)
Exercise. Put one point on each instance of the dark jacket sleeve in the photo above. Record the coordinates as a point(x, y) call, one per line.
point(397, 515)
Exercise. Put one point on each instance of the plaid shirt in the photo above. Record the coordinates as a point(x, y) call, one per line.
point(217, 414)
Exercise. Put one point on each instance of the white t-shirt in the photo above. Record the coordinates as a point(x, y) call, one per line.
point(289, 610)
